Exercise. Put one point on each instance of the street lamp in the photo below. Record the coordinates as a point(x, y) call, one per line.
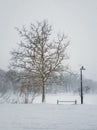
point(81, 69)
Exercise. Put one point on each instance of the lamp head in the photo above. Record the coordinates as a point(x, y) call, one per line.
point(82, 68)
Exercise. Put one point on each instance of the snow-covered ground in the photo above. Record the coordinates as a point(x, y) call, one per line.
point(50, 116)
point(52, 98)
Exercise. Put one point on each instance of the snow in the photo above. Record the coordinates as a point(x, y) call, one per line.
point(52, 98)
point(50, 116)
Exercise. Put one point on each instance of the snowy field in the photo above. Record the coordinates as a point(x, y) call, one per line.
point(52, 98)
point(50, 116)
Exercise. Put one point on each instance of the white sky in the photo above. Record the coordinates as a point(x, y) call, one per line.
point(76, 18)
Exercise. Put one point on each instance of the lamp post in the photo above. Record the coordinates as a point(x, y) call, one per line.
point(81, 69)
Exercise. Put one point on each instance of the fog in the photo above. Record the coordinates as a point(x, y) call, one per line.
point(77, 19)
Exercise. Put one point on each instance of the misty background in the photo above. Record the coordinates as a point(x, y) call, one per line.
point(77, 19)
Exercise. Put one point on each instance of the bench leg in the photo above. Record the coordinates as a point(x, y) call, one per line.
point(57, 102)
point(75, 101)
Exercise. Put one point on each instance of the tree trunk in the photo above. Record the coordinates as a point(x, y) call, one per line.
point(43, 93)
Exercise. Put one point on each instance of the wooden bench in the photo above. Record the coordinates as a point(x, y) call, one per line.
point(60, 101)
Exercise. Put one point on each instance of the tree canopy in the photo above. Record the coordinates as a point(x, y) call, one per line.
point(38, 55)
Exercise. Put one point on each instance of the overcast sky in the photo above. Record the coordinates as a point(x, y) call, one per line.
point(76, 18)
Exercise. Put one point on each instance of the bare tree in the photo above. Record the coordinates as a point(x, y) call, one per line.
point(38, 55)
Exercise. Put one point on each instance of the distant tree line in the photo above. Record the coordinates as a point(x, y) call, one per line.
point(11, 85)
